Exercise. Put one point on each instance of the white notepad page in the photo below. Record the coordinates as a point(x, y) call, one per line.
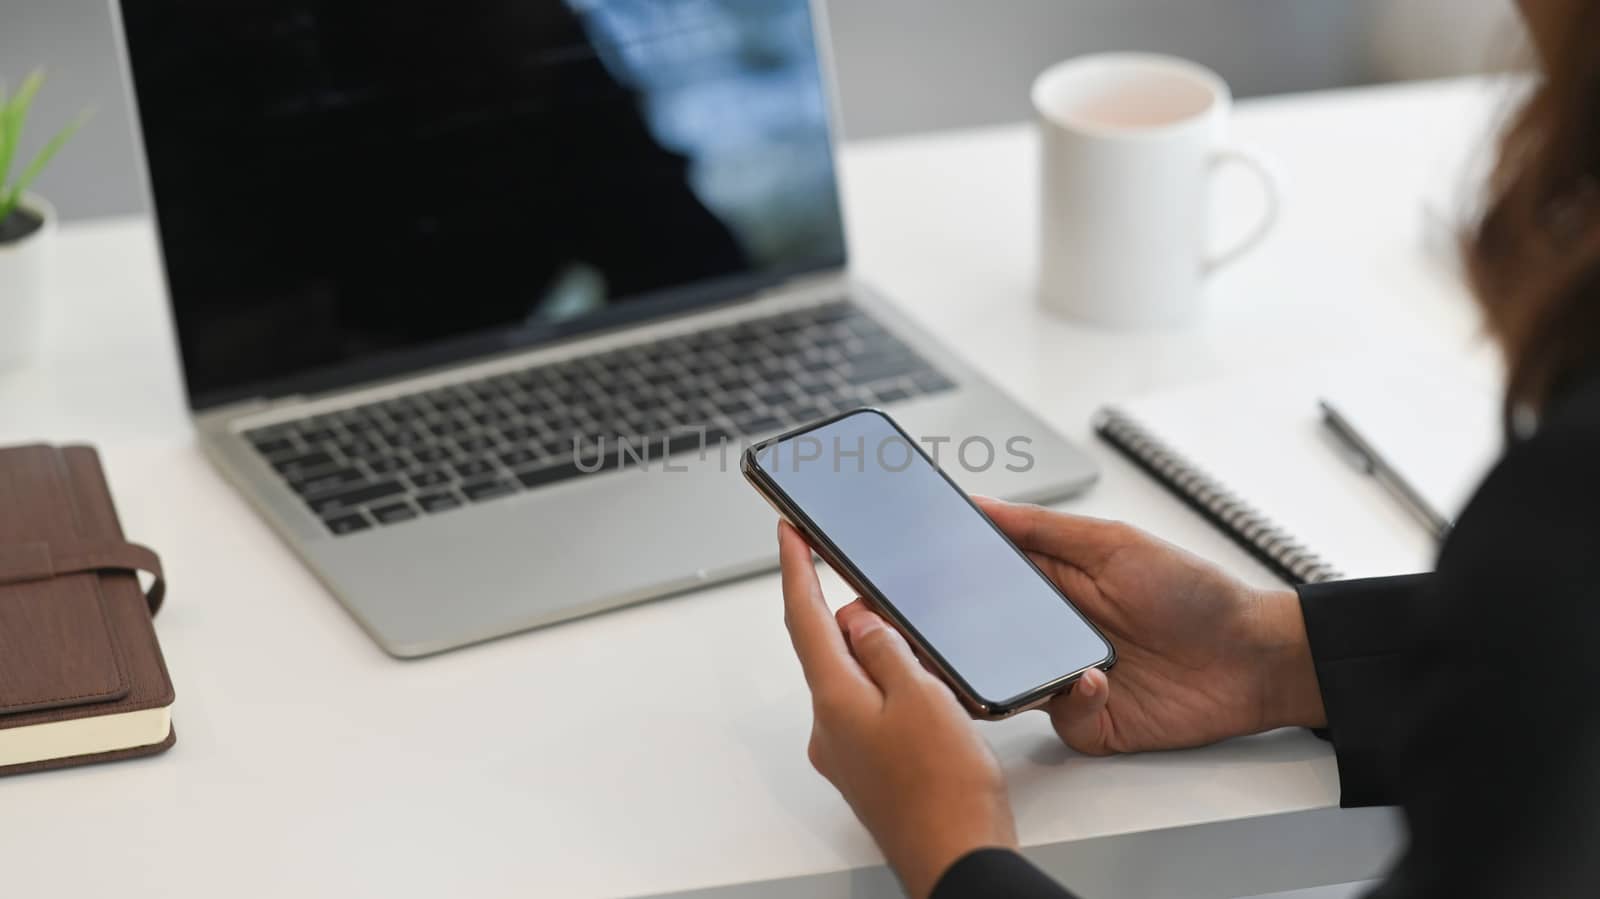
point(1263, 439)
point(1439, 429)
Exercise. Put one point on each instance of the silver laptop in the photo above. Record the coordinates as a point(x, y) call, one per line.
point(479, 300)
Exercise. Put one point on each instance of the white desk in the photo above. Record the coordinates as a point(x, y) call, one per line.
point(310, 763)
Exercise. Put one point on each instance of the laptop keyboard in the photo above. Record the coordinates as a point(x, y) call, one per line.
point(430, 452)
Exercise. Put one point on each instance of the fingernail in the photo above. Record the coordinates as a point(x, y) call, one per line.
point(1088, 685)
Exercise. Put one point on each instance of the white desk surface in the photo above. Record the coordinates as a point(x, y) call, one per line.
point(308, 762)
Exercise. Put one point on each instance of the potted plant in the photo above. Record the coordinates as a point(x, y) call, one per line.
point(26, 223)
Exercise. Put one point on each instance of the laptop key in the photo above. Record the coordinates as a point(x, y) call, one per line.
point(804, 412)
point(479, 491)
point(355, 497)
point(384, 407)
point(882, 368)
point(340, 525)
point(869, 330)
point(518, 433)
point(834, 311)
point(303, 462)
point(469, 469)
point(272, 446)
point(437, 502)
point(270, 432)
point(329, 480)
point(385, 464)
point(560, 445)
point(892, 394)
point(711, 441)
point(733, 405)
point(394, 512)
point(431, 477)
point(550, 474)
point(430, 454)
point(516, 458)
point(475, 444)
point(851, 397)
point(758, 424)
point(356, 447)
point(774, 397)
point(930, 381)
point(410, 439)
point(656, 422)
point(557, 422)
point(737, 379)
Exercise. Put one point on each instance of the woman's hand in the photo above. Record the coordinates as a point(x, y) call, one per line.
point(889, 735)
point(1201, 656)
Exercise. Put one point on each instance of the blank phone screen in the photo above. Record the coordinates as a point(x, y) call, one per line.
point(967, 592)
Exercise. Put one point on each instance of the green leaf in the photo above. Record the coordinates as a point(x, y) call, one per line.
point(8, 145)
point(40, 160)
point(16, 115)
point(30, 87)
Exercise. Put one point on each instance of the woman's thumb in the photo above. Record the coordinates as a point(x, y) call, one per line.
point(1080, 716)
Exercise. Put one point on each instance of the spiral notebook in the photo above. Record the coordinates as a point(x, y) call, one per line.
point(1251, 457)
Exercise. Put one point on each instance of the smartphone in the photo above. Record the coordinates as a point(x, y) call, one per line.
point(878, 510)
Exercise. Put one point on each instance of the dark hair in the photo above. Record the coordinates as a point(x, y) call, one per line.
point(1533, 256)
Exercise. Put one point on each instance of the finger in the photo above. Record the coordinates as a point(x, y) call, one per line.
point(1080, 716)
point(859, 603)
point(880, 649)
point(824, 657)
point(1074, 538)
point(849, 608)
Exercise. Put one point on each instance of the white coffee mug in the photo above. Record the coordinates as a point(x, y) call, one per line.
point(1127, 145)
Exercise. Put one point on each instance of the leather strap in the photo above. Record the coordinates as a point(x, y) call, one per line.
point(40, 561)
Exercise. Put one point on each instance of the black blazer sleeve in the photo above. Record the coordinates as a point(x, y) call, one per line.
point(1364, 635)
point(996, 874)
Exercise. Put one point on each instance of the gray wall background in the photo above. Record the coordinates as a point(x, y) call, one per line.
point(903, 65)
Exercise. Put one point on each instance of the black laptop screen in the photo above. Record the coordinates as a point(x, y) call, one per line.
point(351, 188)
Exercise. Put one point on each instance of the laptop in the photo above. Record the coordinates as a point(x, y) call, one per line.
point(478, 300)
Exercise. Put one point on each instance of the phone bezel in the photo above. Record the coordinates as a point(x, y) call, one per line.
point(979, 705)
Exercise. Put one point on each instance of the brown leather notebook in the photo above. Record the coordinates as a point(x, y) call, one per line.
point(81, 674)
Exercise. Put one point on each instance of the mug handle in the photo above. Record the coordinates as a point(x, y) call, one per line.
point(1269, 216)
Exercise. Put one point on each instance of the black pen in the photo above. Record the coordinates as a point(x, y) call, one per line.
point(1369, 461)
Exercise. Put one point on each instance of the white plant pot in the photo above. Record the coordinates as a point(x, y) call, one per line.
point(24, 266)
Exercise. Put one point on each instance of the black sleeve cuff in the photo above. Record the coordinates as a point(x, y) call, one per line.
point(1364, 637)
point(996, 874)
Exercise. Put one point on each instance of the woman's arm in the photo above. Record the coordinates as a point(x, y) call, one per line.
point(1201, 657)
point(1361, 638)
point(1364, 638)
point(1387, 665)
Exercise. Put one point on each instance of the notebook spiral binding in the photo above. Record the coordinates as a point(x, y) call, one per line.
point(1253, 531)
